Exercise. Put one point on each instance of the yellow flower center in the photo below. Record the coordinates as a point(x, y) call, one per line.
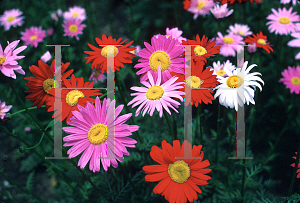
point(228, 40)
point(96, 73)
point(10, 18)
point(193, 82)
point(235, 81)
point(109, 51)
point(200, 5)
point(73, 28)
point(155, 92)
point(73, 96)
point(48, 84)
point(284, 20)
point(295, 81)
point(241, 33)
point(98, 134)
point(159, 58)
point(33, 37)
point(221, 72)
point(261, 41)
point(2, 59)
point(75, 15)
point(179, 171)
point(200, 50)
point(172, 37)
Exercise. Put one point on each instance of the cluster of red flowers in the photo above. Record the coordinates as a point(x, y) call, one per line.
point(239, 1)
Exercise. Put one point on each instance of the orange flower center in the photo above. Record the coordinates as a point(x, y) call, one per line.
point(2, 60)
point(228, 40)
point(284, 20)
point(193, 82)
point(159, 58)
point(109, 51)
point(10, 18)
point(155, 92)
point(200, 5)
point(73, 28)
point(295, 81)
point(179, 171)
point(98, 134)
point(33, 37)
point(200, 50)
point(261, 41)
point(73, 96)
point(48, 84)
point(221, 72)
point(235, 81)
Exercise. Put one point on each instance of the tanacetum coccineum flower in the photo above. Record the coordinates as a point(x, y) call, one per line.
point(291, 78)
point(295, 42)
point(221, 11)
point(239, 29)
point(178, 177)
point(239, 1)
point(11, 18)
point(43, 82)
point(33, 36)
point(97, 76)
point(229, 44)
point(8, 59)
point(200, 7)
point(75, 12)
point(219, 69)
point(73, 28)
point(92, 134)
point(260, 40)
point(186, 4)
point(288, 1)
point(120, 53)
point(293, 165)
point(71, 97)
point(4, 109)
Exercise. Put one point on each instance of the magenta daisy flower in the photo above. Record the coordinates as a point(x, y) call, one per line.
point(221, 11)
point(200, 7)
point(221, 69)
point(157, 95)
point(163, 51)
point(75, 12)
point(73, 28)
point(33, 36)
point(8, 59)
point(97, 76)
point(295, 42)
point(11, 18)
point(282, 21)
point(229, 44)
point(239, 29)
point(175, 33)
point(4, 109)
point(92, 133)
point(291, 78)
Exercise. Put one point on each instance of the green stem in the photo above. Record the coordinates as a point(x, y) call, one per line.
point(8, 197)
point(175, 126)
point(243, 179)
point(25, 110)
point(218, 135)
point(168, 122)
point(199, 109)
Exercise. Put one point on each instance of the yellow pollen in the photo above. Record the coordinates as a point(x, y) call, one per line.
point(200, 5)
point(179, 171)
point(73, 96)
point(284, 20)
point(10, 18)
point(155, 92)
point(261, 41)
point(241, 33)
point(221, 72)
point(112, 51)
point(2, 59)
point(200, 50)
point(98, 134)
point(235, 81)
point(159, 58)
point(75, 15)
point(33, 37)
point(73, 28)
point(228, 40)
point(48, 84)
point(295, 81)
point(193, 82)
point(172, 37)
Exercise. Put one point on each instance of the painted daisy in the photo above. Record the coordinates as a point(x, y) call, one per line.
point(186, 4)
point(291, 78)
point(239, 1)
point(219, 69)
point(73, 28)
point(236, 89)
point(11, 18)
point(110, 48)
point(4, 109)
point(8, 59)
point(229, 44)
point(156, 95)
point(178, 177)
point(293, 165)
point(282, 21)
point(175, 33)
point(200, 7)
point(221, 11)
point(288, 1)
point(75, 12)
point(97, 76)
point(137, 49)
point(251, 47)
point(33, 36)
point(239, 29)
point(260, 41)
point(295, 42)
point(162, 52)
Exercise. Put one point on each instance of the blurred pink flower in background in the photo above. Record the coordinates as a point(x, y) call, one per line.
point(75, 12)
point(221, 11)
point(49, 32)
point(27, 129)
point(219, 69)
point(33, 36)
point(239, 29)
point(291, 78)
point(240, 63)
point(11, 18)
point(200, 7)
point(59, 12)
point(54, 16)
point(4, 109)
point(175, 33)
point(229, 44)
point(251, 47)
point(73, 28)
point(97, 76)
point(288, 1)
point(137, 49)
point(295, 42)
point(46, 56)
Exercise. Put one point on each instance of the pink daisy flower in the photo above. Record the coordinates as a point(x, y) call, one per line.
point(4, 109)
point(297, 27)
point(92, 134)
point(239, 29)
point(27, 129)
point(50, 32)
point(137, 50)
point(295, 42)
point(73, 28)
point(200, 7)
point(251, 47)
point(229, 44)
point(291, 78)
point(54, 16)
point(46, 56)
point(8, 59)
point(33, 36)
point(282, 22)
point(221, 11)
point(59, 12)
point(175, 33)
point(163, 51)
point(220, 69)
point(11, 18)
point(97, 76)
point(288, 1)
point(157, 95)
point(75, 12)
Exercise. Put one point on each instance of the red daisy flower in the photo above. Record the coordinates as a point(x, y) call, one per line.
point(71, 97)
point(239, 1)
point(186, 4)
point(99, 57)
point(43, 82)
point(260, 40)
point(179, 177)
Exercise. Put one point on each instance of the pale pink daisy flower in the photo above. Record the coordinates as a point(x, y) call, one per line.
point(251, 47)
point(229, 44)
point(97, 76)
point(175, 33)
point(156, 95)
point(163, 51)
point(200, 7)
point(295, 42)
point(54, 16)
point(239, 29)
point(98, 136)
point(8, 59)
point(288, 1)
point(282, 21)
point(4, 109)
point(73, 28)
point(11, 18)
point(221, 11)
point(291, 78)
point(59, 12)
point(33, 36)
point(27, 129)
point(46, 56)
point(75, 12)
point(220, 69)
point(297, 27)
